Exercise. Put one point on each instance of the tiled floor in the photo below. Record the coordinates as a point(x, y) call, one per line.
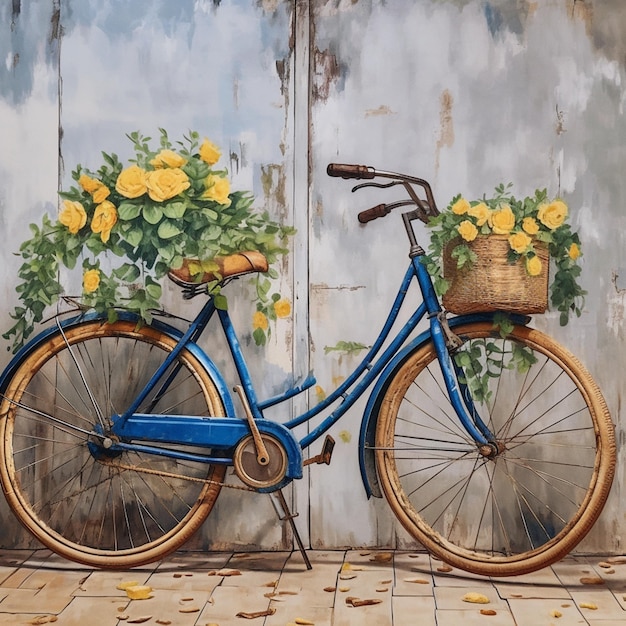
point(344, 588)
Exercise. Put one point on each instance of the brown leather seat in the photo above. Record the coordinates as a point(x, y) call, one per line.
point(236, 264)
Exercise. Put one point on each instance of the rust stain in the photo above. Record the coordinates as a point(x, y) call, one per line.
point(446, 124)
point(383, 109)
point(560, 121)
point(326, 72)
point(274, 183)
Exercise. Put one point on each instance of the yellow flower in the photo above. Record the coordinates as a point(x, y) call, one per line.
point(91, 280)
point(167, 183)
point(104, 218)
point(552, 215)
point(259, 320)
point(467, 230)
point(131, 183)
point(502, 220)
point(530, 225)
point(481, 212)
point(217, 190)
point(519, 242)
point(101, 193)
point(88, 184)
point(282, 308)
point(573, 252)
point(168, 158)
point(73, 216)
point(533, 266)
point(460, 207)
point(209, 152)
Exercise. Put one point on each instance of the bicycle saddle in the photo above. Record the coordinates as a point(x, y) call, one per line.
point(230, 266)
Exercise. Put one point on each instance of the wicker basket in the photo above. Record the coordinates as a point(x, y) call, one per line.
point(493, 284)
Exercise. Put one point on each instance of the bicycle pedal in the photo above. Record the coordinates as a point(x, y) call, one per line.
point(325, 456)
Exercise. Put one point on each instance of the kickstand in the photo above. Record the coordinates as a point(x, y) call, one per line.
point(287, 516)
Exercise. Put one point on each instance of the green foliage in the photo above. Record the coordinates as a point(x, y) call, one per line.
point(346, 347)
point(168, 205)
point(526, 221)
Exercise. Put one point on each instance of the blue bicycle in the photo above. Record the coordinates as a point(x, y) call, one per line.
point(116, 437)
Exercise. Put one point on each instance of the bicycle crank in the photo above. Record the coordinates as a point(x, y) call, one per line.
point(260, 475)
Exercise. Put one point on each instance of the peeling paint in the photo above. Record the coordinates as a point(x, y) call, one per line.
point(383, 109)
point(446, 124)
point(326, 73)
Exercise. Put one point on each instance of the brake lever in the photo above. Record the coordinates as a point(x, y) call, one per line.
point(379, 185)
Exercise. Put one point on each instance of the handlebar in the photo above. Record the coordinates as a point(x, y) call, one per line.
point(424, 210)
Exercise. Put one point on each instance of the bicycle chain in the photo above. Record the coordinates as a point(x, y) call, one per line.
point(193, 479)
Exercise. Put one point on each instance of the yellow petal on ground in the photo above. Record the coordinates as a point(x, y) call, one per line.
point(556, 613)
point(124, 585)
point(475, 598)
point(382, 557)
point(304, 622)
point(419, 581)
point(588, 605)
point(139, 592)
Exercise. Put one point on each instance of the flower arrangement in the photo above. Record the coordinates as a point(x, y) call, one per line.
point(526, 223)
point(164, 207)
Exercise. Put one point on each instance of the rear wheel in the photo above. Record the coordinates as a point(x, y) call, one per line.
point(528, 501)
point(99, 508)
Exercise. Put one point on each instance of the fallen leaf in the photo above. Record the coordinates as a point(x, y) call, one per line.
point(385, 582)
point(229, 572)
point(487, 612)
point(419, 581)
point(256, 614)
point(617, 559)
point(382, 557)
point(475, 598)
point(139, 592)
point(517, 595)
point(44, 619)
point(556, 613)
point(592, 580)
point(330, 589)
point(588, 605)
point(444, 568)
point(365, 602)
point(347, 576)
point(140, 620)
point(304, 622)
point(287, 592)
point(124, 585)
point(382, 589)
point(604, 564)
point(186, 599)
point(163, 622)
point(189, 609)
point(344, 589)
point(123, 616)
point(272, 583)
point(178, 575)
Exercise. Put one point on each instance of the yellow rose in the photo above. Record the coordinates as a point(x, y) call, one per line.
point(481, 212)
point(88, 184)
point(100, 194)
point(530, 225)
point(217, 190)
point(552, 215)
point(259, 320)
point(502, 220)
point(131, 183)
point(467, 230)
point(574, 252)
point(282, 308)
point(209, 152)
point(519, 242)
point(91, 280)
point(533, 266)
point(168, 158)
point(104, 218)
point(167, 183)
point(460, 207)
point(73, 216)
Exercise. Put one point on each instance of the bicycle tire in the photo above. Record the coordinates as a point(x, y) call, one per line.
point(99, 509)
point(530, 504)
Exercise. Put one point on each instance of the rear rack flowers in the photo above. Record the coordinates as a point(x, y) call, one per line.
point(164, 206)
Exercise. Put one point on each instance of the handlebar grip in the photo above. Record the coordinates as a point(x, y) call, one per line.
point(380, 210)
point(350, 171)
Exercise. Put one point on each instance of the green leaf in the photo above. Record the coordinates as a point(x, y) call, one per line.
point(128, 211)
point(168, 229)
point(152, 213)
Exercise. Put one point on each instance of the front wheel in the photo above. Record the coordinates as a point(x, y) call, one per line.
point(101, 508)
point(529, 501)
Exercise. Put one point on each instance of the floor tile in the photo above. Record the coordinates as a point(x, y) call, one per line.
point(551, 612)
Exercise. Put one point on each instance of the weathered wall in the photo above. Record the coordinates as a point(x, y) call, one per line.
point(465, 93)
